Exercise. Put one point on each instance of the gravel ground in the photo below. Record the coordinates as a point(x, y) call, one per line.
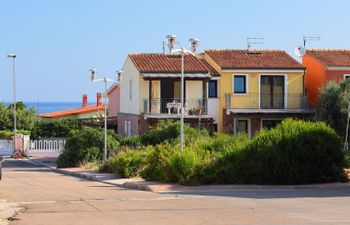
point(7, 210)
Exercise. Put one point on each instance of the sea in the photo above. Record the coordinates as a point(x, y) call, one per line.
point(46, 107)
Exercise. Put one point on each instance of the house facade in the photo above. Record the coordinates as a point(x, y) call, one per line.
point(151, 90)
point(322, 66)
point(258, 89)
point(113, 94)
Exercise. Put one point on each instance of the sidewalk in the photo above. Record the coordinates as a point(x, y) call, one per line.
point(132, 183)
point(108, 178)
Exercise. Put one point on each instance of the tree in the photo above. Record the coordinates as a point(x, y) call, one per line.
point(333, 103)
point(25, 117)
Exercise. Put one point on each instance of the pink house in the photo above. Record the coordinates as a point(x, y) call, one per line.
point(113, 94)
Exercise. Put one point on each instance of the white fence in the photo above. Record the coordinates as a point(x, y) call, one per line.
point(6, 147)
point(46, 147)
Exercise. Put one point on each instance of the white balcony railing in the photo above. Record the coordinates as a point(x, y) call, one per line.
point(266, 101)
point(172, 106)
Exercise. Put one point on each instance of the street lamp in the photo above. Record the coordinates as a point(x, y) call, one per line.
point(13, 56)
point(105, 80)
point(171, 41)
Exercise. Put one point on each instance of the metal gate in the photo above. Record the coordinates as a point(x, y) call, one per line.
point(49, 147)
point(6, 147)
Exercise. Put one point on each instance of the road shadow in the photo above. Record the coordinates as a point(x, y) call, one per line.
point(268, 192)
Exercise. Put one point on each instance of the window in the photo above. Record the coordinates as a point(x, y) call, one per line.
point(239, 84)
point(346, 76)
point(130, 89)
point(242, 126)
point(213, 89)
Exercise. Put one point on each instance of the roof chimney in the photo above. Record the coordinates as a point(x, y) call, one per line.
point(99, 98)
point(85, 102)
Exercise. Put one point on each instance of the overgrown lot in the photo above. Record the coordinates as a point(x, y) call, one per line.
point(294, 152)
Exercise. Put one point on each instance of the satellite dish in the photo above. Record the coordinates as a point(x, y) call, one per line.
point(299, 51)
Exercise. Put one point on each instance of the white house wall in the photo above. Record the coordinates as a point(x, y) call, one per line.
point(127, 104)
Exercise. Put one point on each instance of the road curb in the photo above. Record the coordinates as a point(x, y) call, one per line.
point(137, 185)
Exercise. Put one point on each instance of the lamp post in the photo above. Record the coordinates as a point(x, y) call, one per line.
point(105, 80)
point(171, 41)
point(13, 56)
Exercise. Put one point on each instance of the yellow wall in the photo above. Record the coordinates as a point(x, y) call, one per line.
point(294, 87)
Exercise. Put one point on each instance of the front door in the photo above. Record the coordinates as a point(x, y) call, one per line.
point(272, 92)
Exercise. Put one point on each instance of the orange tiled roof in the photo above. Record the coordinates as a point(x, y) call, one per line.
point(254, 59)
point(331, 57)
point(72, 112)
point(166, 63)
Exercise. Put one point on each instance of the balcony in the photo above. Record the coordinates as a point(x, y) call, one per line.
point(255, 102)
point(171, 107)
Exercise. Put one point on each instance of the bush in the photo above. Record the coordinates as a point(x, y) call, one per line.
point(85, 145)
point(132, 141)
point(128, 162)
point(8, 134)
point(25, 117)
point(165, 130)
point(294, 152)
point(54, 128)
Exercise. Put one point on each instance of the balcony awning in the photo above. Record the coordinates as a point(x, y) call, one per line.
point(176, 75)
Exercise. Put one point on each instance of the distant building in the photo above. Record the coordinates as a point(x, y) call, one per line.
point(323, 65)
point(84, 112)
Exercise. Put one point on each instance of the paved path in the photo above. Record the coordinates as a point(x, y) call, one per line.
point(51, 198)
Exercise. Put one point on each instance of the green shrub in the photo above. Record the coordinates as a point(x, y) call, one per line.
point(128, 162)
point(165, 130)
point(223, 143)
point(132, 141)
point(25, 117)
point(85, 145)
point(8, 134)
point(191, 166)
point(294, 152)
point(157, 162)
point(54, 128)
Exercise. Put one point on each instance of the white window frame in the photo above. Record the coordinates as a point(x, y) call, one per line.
point(285, 87)
point(346, 76)
point(249, 125)
point(246, 84)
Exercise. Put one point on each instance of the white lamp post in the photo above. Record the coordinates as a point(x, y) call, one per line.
point(171, 41)
point(105, 80)
point(13, 56)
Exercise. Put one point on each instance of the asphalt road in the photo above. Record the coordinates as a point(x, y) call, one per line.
point(51, 198)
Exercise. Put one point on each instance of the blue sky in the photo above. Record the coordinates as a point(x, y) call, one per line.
point(56, 42)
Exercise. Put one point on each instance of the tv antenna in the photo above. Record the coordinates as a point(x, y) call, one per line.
point(254, 41)
point(308, 38)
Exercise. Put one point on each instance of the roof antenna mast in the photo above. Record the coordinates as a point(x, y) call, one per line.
point(307, 38)
point(254, 41)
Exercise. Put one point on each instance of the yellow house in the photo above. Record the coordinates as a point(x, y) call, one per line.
point(258, 88)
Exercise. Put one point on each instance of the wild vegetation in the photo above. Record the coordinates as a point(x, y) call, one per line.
point(294, 152)
point(25, 117)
